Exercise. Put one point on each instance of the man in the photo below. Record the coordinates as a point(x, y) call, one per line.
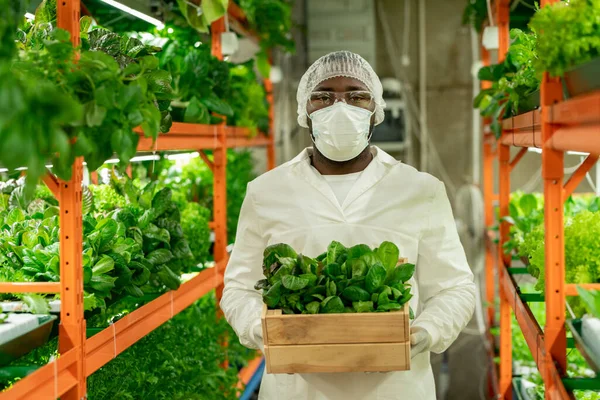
point(345, 190)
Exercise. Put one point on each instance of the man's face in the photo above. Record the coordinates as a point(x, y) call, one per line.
point(341, 85)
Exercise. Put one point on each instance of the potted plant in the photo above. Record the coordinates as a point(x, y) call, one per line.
point(570, 44)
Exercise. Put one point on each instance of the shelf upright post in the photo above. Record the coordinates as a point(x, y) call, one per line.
point(502, 15)
point(488, 196)
point(72, 325)
point(271, 146)
point(220, 180)
point(553, 174)
point(220, 161)
point(271, 161)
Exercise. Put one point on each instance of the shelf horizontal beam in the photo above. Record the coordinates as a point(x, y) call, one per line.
point(582, 138)
point(579, 110)
point(170, 142)
point(257, 141)
point(528, 121)
point(523, 139)
point(29, 287)
point(532, 297)
point(571, 288)
point(52, 182)
point(582, 383)
point(107, 344)
point(48, 382)
point(517, 270)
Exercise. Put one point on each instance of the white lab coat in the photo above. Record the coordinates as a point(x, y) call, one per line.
point(391, 201)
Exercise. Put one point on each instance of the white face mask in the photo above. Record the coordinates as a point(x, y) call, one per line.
point(341, 131)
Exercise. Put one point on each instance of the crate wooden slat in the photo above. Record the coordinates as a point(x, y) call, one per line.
point(362, 357)
point(336, 328)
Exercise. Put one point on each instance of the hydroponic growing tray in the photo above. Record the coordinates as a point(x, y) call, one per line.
point(319, 343)
point(23, 333)
point(586, 351)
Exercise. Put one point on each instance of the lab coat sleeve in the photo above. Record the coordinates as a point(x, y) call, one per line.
point(444, 279)
point(241, 303)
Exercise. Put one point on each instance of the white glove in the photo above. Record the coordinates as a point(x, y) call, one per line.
point(257, 333)
point(420, 341)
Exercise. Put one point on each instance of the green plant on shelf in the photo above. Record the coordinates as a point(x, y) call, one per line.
point(523, 359)
point(207, 89)
point(591, 299)
point(526, 239)
point(571, 35)
point(193, 182)
point(512, 81)
point(185, 350)
point(87, 107)
point(133, 242)
point(247, 97)
point(272, 20)
point(201, 81)
point(200, 14)
point(526, 212)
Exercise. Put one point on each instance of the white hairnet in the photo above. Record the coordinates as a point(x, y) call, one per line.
point(339, 63)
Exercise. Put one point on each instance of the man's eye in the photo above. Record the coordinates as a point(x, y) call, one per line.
point(323, 98)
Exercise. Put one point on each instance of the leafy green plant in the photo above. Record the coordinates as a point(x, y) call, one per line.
point(272, 20)
point(527, 238)
point(512, 81)
point(179, 360)
point(201, 13)
point(194, 183)
point(133, 241)
point(201, 81)
point(185, 350)
point(86, 108)
point(194, 222)
point(475, 14)
point(526, 212)
point(582, 256)
point(341, 280)
point(248, 99)
point(591, 298)
point(571, 35)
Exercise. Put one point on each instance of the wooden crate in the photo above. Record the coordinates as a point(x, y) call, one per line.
point(362, 342)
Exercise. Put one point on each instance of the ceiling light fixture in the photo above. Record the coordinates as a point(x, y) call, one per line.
point(159, 25)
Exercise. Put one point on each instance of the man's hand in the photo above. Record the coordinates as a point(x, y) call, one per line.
point(420, 340)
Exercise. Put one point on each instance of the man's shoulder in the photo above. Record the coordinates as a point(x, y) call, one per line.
point(277, 176)
point(405, 173)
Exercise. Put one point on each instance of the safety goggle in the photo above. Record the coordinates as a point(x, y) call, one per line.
point(357, 98)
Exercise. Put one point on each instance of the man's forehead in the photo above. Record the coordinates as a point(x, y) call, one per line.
point(340, 84)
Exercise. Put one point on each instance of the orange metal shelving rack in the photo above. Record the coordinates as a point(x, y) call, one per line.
point(559, 126)
point(80, 356)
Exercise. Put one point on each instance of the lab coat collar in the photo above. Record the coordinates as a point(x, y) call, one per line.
point(370, 176)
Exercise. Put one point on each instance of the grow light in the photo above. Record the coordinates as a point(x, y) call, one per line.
point(183, 156)
point(153, 157)
point(159, 25)
point(572, 153)
point(29, 16)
